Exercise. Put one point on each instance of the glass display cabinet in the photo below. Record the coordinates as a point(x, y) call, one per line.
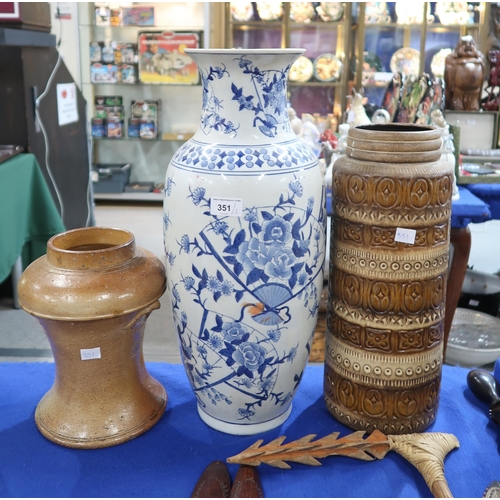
point(318, 80)
point(410, 37)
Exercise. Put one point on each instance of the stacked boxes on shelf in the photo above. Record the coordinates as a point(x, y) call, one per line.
point(113, 62)
point(145, 119)
point(109, 117)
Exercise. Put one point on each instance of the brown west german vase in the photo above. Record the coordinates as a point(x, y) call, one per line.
point(92, 293)
point(384, 343)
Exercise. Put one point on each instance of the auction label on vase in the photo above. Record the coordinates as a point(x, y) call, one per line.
point(226, 206)
point(405, 235)
point(94, 353)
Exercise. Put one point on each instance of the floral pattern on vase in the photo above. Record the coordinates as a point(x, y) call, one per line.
point(244, 289)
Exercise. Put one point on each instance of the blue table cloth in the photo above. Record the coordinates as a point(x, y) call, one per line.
point(490, 194)
point(468, 208)
point(167, 460)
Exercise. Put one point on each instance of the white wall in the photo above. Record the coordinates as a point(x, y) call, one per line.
point(66, 30)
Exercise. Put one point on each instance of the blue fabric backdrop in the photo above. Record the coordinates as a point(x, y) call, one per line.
point(167, 460)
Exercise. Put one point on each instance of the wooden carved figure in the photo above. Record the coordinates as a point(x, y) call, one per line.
point(490, 103)
point(464, 74)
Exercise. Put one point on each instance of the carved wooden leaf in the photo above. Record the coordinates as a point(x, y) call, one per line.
point(306, 451)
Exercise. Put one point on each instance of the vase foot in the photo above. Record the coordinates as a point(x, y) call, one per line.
point(92, 435)
point(243, 429)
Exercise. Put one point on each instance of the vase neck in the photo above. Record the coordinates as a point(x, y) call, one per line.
point(91, 248)
point(244, 95)
point(394, 143)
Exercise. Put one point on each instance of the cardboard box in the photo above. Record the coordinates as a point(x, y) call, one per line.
point(162, 59)
point(138, 16)
point(103, 73)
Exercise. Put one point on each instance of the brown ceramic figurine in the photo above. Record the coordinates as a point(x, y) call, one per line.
point(463, 75)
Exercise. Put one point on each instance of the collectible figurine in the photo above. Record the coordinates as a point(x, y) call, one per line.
point(357, 113)
point(310, 133)
point(295, 121)
point(464, 75)
point(492, 90)
point(437, 119)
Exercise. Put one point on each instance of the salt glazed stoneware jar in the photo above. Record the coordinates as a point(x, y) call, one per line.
point(388, 268)
point(244, 233)
point(92, 293)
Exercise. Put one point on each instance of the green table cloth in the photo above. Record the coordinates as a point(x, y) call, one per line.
point(28, 214)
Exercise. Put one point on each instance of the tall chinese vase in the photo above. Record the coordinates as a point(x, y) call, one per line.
point(388, 268)
point(92, 293)
point(244, 233)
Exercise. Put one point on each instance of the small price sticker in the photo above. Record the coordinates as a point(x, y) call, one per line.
point(226, 206)
point(94, 353)
point(405, 235)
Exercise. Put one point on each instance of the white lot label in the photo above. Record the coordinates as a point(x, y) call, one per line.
point(94, 353)
point(405, 235)
point(226, 206)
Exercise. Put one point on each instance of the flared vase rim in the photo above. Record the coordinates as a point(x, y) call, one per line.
point(245, 51)
point(54, 243)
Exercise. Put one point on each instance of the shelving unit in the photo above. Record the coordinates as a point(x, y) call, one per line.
point(181, 103)
point(129, 196)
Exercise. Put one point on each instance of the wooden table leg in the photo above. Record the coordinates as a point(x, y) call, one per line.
point(461, 240)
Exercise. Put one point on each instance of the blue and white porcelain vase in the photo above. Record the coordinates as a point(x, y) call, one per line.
point(244, 233)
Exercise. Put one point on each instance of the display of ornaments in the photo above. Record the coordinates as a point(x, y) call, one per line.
point(410, 12)
point(453, 13)
point(302, 70)
point(406, 61)
point(377, 12)
point(330, 11)
point(414, 90)
point(301, 12)
point(241, 11)
point(390, 101)
point(371, 62)
point(327, 68)
point(269, 11)
point(438, 62)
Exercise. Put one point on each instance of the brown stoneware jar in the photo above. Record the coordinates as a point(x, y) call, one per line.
point(387, 280)
point(92, 293)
